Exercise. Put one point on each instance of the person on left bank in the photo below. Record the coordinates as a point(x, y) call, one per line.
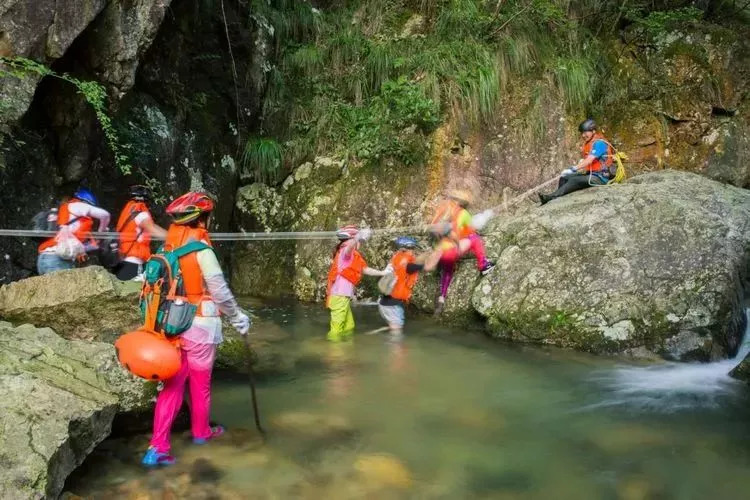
point(136, 227)
point(73, 242)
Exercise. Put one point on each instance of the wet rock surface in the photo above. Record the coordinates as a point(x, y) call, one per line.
point(57, 402)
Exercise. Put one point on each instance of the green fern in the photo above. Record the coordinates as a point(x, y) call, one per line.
point(261, 159)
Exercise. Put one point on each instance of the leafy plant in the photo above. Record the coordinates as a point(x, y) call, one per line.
point(94, 93)
point(262, 159)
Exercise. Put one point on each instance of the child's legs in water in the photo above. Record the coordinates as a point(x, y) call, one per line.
point(394, 316)
point(342, 319)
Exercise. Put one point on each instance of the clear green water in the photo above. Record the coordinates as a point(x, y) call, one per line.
point(451, 415)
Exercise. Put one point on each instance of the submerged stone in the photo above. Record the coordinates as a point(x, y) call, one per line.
point(383, 469)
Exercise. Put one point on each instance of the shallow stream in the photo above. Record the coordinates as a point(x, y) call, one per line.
point(450, 414)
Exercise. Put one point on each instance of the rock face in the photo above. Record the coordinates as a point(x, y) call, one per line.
point(57, 402)
point(87, 303)
point(659, 263)
point(167, 79)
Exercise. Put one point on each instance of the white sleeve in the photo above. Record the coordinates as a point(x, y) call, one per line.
point(141, 218)
point(86, 210)
point(216, 285)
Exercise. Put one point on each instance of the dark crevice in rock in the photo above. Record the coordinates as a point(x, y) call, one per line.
point(720, 111)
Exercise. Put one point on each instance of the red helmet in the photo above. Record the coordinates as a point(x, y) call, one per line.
point(347, 232)
point(189, 207)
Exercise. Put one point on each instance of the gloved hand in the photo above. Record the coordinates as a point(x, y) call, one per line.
point(569, 171)
point(241, 322)
point(481, 219)
point(388, 269)
point(364, 234)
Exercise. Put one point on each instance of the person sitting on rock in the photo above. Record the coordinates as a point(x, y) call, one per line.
point(453, 223)
point(136, 227)
point(206, 288)
point(346, 272)
point(75, 218)
point(403, 269)
point(593, 169)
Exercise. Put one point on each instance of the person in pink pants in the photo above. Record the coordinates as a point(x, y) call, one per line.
point(205, 287)
point(197, 364)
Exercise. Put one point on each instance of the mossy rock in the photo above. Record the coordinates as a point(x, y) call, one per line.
point(87, 303)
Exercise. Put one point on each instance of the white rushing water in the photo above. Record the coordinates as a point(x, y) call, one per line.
point(671, 386)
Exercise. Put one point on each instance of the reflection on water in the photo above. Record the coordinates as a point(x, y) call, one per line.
point(458, 417)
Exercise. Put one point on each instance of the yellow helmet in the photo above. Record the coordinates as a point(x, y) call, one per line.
point(463, 196)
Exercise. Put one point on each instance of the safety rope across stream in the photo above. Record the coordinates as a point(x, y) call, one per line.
point(284, 235)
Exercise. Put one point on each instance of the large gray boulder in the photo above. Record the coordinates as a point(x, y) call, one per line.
point(86, 303)
point(57, 402)
point(656, 265)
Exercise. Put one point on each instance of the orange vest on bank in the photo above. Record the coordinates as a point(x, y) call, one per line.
point(404, 281)
point(85, 225)
point(192, 278)
point(130, 246)
point(351, 273)
point(598, 165)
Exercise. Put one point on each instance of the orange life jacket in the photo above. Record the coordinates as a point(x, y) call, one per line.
point(192, 278)
point(404, 281)
point(130, 233)
point(85, 225)
point(450, 211)
point(598, 165)
point(351, 273)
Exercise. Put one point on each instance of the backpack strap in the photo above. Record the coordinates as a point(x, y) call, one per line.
point(188, 248)
point(131, 217)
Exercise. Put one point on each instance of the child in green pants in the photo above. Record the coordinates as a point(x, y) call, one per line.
point(346, 272)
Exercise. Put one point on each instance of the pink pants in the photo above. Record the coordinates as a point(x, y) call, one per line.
point(197, 363)
point(449, 259)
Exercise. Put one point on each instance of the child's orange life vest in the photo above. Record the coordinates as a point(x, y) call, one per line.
point(404, 281)
point(352, 272)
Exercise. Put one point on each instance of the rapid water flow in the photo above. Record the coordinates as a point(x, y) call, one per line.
point(446, 414)
point(670, 387)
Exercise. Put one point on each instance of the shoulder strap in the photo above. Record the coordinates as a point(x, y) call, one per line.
point(133, 214)
point(188, 248)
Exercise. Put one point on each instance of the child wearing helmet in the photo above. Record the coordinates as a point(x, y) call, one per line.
point(75, 218)
point(206, 288)
point(593, 169)
point(452, 224)
point(398, 285)
point(345, 273)
point(136, 227)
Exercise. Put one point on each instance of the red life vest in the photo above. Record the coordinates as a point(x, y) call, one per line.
point(351, 273)
point(130, 233)
point(85, 225)
point(192, 278)
point(450, 211)
point(598, 165)
point(404, 281)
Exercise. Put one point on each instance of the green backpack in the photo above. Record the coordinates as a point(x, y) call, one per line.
point(164, 306)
